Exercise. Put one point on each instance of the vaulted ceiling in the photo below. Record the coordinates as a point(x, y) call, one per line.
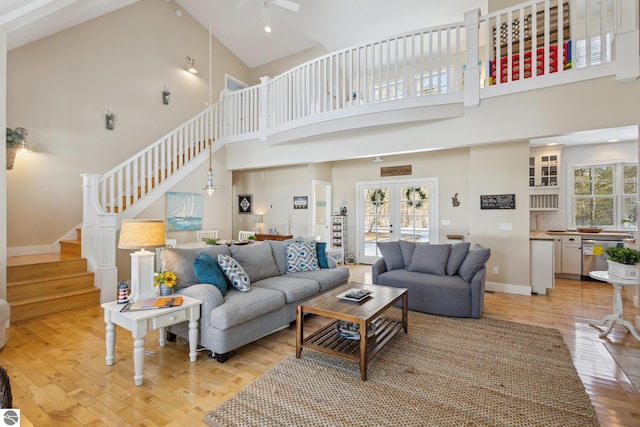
point(238, 24)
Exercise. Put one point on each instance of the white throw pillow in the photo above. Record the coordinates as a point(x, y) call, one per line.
point(302, 256)
point(235, 273)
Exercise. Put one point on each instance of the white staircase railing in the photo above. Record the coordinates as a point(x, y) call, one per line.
point(502, 52)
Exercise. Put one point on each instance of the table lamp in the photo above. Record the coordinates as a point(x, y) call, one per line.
point(257, 220)
point(141, 234)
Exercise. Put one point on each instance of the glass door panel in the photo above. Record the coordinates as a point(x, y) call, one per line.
point(394, 211)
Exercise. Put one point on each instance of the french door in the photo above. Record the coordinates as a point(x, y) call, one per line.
point(394, 210)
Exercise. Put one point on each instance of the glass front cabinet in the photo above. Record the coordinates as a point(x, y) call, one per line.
point(544, 168)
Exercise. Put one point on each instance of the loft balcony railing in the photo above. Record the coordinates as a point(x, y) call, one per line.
point(536, 44)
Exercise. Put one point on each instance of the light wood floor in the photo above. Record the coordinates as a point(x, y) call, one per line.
point(59, 377)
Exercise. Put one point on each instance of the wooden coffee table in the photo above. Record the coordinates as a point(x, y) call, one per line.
point(326, 340)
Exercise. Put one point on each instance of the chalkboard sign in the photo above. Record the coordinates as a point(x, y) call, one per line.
point(498, 201)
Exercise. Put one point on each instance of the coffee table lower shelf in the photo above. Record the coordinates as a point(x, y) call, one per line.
point(326, 340)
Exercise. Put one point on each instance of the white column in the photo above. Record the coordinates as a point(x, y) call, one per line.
point(472, 69)
point(627, 41)
point(99, 239)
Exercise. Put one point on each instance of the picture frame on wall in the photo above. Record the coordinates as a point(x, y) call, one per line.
point(245, 203)
point(300, 202)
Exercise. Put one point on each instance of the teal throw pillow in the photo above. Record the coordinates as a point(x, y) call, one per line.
point(208, 271)
point(235, 273)
point(321, 250)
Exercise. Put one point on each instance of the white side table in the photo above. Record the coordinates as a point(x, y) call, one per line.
point(141, 322)
point(617, 318)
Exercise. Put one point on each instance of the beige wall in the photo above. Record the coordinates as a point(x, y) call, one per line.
point(470, 172)
point(501, 169)
point(275, 68)
point(273, 191)
point(60, 88)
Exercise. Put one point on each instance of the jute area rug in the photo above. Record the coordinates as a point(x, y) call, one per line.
point(444, 372)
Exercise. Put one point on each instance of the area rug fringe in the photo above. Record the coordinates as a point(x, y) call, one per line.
point(444, 372)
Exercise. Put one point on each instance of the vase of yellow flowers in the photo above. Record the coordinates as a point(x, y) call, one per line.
point(165, 282)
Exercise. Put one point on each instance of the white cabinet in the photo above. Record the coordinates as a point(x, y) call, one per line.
point(544, 168)
point(339, 234)
point(557, 254)
point(544, 179)
point(541, 266)
point(572, 255)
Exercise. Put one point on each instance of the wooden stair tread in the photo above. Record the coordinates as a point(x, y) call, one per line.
point(49, 278)
point(46, 298)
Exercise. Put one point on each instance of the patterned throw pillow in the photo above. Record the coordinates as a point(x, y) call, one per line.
point(234, 272)
point(301, 256)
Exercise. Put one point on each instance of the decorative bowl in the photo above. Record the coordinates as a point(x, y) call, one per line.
point(589, 229)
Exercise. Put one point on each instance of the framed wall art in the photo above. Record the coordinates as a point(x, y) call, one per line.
point(245, 203)
point(184, 211)
point(300, 202)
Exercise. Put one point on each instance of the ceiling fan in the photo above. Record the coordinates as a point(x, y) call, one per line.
point(264, 9)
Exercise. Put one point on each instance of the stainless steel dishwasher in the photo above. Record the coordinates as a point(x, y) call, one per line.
point(593, 256)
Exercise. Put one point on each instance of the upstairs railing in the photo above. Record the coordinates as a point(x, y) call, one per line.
point(462, 62)
point(415, 64)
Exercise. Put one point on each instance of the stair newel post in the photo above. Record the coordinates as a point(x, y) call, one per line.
point(99, 239)
point(471, 73)
point(263, 120)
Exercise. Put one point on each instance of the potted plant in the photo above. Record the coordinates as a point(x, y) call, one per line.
point(165, 282)
point(623, 262)
point(14, 140)
point(211, 242)
point(251, 237)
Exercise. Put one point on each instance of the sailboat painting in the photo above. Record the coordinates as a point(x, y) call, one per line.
point(184, 211)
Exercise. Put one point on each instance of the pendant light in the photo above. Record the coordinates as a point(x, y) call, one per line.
point(210, 188)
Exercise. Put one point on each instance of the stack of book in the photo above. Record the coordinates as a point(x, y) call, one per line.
point(153, 304)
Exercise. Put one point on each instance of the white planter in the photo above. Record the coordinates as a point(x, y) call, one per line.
point(623, 270)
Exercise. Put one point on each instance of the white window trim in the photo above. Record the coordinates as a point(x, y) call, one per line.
point(617, 163)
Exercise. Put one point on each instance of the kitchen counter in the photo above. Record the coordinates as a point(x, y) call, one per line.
point(548, 234)
point(539, 235)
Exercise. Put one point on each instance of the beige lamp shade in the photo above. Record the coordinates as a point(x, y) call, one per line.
point(141, 233)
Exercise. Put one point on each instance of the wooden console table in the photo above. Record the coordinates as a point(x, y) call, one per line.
point(279, 237)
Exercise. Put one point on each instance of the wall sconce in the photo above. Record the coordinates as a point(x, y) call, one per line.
point(378, 159)
point(165, 95)
point(191, 63)
point(24, 147)
point(109, 120)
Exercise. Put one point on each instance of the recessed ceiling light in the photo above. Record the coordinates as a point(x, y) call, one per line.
point(613, 140)
point(552, 143)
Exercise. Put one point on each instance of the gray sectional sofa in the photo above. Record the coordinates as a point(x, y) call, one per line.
point(238, 318)
point(447, 280)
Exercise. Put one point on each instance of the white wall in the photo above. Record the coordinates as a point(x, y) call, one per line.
point(60, 87)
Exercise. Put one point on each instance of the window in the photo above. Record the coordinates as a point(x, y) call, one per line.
point(596, 51)
point(427, 84)
point(605, 195)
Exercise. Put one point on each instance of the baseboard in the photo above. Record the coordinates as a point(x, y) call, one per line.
point(33, 250)
point(507, 288)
